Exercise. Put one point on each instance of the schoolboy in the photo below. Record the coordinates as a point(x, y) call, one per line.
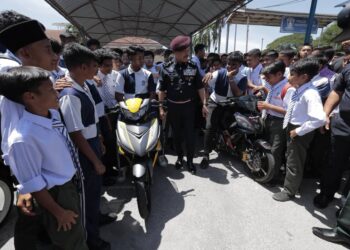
point(79, 112)
point(273, 112)
point(304, 115)
point(48, 177)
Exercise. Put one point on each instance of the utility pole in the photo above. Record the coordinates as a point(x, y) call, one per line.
point(310, 21)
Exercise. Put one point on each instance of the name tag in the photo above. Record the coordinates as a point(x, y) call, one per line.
point(190, 72)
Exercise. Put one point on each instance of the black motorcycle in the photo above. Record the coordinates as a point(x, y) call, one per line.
point(241, 134)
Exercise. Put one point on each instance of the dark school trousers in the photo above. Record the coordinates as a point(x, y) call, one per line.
point(296, 156)
point(276, 136)
point(67, 197)
point(215, 113)
point(182, 118)
point(340, 154)
point(92, 185)
point(343, 220)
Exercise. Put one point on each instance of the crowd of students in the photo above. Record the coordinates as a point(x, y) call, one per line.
point(58, 134)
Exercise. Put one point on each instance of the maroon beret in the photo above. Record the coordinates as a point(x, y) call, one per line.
point(180, 42)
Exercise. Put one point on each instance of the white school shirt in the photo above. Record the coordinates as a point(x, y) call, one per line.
point(10, 111)
point(100, 107)
point(71, 109)
point(196, 60)
point(38, 154)
point(276, 98)
point(253, 75)
point(111, 83)
point(141, 82)
point(308, 111)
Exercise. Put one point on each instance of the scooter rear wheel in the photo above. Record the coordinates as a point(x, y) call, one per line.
point(267, 168)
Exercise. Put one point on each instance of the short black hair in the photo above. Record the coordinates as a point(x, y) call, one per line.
point(224, 55)
point(307, 66)
point(329, 53)
point(272, 53)
point(56, 46)
point(10, 17)
point(198, 47)
point(149, 53)
point(254, 52)
point(93, 41)
point(132, 50)
point(75, 55)
point(15, 82)
point(103, 54)
point(288, 53)
point(118, 51)
point(320, 58)
point(274, 68)
point(235, 56)
point(168, 52)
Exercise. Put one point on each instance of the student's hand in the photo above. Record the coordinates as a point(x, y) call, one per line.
point(328, 122)
point(257, 88)
point(205, 111)
point(25, 204)
point(62, 83)
point(207, 78)
point(100, 168)
point(162, 114)
point(232, 73)
point(98, 81)
point(293, 133)
point(65, 220)
point(263, 105)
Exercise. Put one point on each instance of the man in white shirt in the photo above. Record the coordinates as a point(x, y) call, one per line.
point(255, 67)
point(150, 66)
point(286, 56)
point(135, 81)
point(304, 115)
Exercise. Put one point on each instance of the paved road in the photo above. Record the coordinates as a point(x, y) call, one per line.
point(219, 208)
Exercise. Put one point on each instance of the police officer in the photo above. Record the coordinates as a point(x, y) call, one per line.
point(180, 82)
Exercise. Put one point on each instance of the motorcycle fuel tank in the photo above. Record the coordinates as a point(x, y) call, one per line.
point(245, 124)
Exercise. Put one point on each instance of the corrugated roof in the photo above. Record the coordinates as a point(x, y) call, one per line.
point(159, 20)
point(125, 42)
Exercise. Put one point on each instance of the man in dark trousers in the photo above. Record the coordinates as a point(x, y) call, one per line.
point(180, 82)
point(340, 124)
point(340, 127)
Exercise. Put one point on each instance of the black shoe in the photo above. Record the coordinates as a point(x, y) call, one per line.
point(179, 163)
point(99, 245)
point(331, 235)
point(321, 200)
point(105, 219)
point(108, 181)
point(205, 162)
point(191, 168)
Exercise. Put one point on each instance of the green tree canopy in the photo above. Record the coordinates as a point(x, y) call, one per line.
point(291, 41)
point(327, 36)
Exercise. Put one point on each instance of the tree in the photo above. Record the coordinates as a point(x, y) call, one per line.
point(291, 41)
point(208, 35)
point(327, 36)
point(75, 31)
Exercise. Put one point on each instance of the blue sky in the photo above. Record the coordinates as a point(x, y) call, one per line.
point(40, 10)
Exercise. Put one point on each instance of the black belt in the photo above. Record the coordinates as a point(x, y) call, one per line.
point(272, 117)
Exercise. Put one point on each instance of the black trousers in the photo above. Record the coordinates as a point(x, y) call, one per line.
point(182, 122)
point(109, 159)
point(340, 153)
point(92, 185)
point(216, 113)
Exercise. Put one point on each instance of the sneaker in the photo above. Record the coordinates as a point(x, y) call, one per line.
point(282, 196)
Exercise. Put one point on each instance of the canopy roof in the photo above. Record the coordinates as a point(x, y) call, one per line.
point(273, 18)
point(159, 20)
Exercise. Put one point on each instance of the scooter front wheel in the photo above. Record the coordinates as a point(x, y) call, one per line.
point(264, 167)
point(143, 196)
point(6, 200)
